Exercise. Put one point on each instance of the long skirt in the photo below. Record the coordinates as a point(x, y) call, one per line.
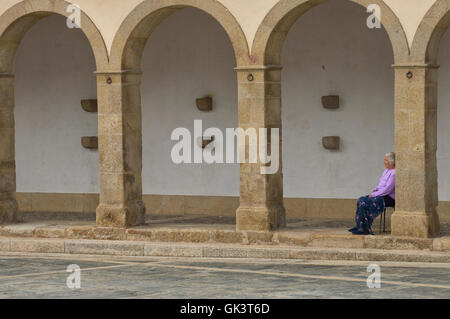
point(367, 209)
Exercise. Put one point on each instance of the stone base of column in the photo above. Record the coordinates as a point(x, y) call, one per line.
point(133, 214)
point(9, 211)
point(260, 218)
point(415, 224)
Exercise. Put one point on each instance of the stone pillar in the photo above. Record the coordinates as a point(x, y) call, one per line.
point(416, 144)
point(8, 203)
point(120, 149)
point(261, 196)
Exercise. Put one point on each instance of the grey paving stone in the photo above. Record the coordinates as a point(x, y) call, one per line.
point(151, 249)
point(104, 247)
point(36, 245)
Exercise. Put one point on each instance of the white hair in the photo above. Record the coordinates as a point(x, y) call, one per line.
point(391, 158)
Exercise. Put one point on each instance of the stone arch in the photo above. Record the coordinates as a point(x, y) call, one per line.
point(17, 20)
point(425, 47)
point(129, 42)
point(271, 35)
point(14, 24)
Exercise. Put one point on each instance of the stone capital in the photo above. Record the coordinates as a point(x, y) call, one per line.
point(253, 68)
point(6, 75)
point(411, 65)
point(117, 72)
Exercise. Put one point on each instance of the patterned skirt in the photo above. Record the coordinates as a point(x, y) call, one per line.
point(367, 209)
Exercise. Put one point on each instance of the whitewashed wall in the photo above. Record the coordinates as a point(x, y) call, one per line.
point(443, 153)
point(189, 56)
point(54, 71)
point(342, 56)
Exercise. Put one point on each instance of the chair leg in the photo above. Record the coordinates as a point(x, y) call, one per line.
point(384, 222)
point(381, 221)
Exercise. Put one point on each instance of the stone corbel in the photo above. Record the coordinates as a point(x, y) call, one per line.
point(205, 103)
point(90, 106)
point(90, 142)
point(331, 142)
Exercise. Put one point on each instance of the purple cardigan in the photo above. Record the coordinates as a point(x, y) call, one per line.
point(386, 185)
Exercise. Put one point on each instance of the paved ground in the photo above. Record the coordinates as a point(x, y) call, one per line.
point(44, 276)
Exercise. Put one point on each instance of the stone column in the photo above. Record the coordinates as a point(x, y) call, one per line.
point(416, 143)
point(261, 196)
point(120, 149)
point(8, 203)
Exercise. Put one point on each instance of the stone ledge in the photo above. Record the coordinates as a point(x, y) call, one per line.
point(301, 238)
point(336, 241)
point(130, 248)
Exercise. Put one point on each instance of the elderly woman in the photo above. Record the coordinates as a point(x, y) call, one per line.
point(370, 206)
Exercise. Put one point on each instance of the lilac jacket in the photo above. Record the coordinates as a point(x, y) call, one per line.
point(386, 185)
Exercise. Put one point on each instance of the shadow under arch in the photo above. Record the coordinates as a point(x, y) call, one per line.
point(269, 40)
point(426, 43)
point(17, 20)
point(131, 38)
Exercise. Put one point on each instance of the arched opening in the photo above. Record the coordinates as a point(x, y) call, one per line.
point(181, 86)
point(330, 51)
point(131, 39)
point(54, 71)
point(271, 35)
point(267, 49)
point(15, 23)
point(443, 132)
point(188, 56)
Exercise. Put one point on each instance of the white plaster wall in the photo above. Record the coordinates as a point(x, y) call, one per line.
point(443, 152)
point(54, 71)
point(189, 56)
point(330, 51)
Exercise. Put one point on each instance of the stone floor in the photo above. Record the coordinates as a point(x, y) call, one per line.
point(221, 230)
point(216, 237)
point(45, 276)
point(207, 222)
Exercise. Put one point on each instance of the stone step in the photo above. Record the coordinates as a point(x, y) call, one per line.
point(140, 248)
point(304, 238)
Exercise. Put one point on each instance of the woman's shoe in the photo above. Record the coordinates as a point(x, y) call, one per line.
point(353, 229)
point(360, 231)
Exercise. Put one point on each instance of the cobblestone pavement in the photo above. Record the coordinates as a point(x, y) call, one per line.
point(45, 276)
